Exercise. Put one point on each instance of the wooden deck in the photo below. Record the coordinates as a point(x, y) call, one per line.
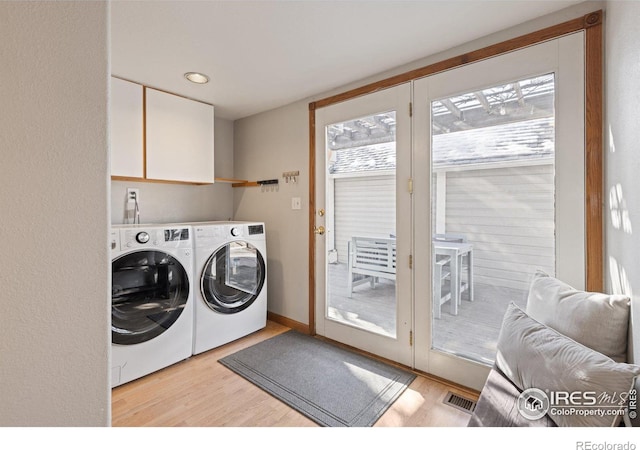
point(473, 333)
point(371, 309)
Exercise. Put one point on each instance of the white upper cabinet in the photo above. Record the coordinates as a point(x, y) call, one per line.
point(179, 135)
point(126, 129)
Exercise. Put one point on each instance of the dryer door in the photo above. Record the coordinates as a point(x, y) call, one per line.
point(233, 277)
point(149, 292)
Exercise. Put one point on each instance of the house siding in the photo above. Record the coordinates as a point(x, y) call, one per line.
point(364, 206)
point(508, 215)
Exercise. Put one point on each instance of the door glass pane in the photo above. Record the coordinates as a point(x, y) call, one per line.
point(493, 199)
point(361, 223)
point(233, 277)
point(242, 269)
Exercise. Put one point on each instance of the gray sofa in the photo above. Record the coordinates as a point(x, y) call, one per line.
point(497, 405)
point(562, 329)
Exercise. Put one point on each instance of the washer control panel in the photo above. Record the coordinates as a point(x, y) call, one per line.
point(138, 237)
point(115, 241)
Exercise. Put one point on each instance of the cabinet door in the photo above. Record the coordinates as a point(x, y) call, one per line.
point(126, 129)
point(179, 138)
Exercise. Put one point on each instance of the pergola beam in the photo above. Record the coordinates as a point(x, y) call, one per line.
point(483, 101)
point(440, 129)
point(453, 109)
point(518, 89)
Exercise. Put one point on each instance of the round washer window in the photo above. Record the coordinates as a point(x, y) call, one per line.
point(233, 277)
point(149, 292)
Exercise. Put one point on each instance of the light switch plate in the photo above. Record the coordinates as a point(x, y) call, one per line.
point(296, 203)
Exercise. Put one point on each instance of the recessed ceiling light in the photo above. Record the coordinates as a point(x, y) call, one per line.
point(196, 77)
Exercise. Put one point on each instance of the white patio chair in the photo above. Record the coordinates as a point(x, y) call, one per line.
point(464, 262)
point(441, 273)
point(450, 237)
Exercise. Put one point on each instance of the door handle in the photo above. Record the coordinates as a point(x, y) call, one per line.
point(319, 230)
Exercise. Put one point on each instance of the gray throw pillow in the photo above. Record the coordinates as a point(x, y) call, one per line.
point(533, 355)
point(599, 321)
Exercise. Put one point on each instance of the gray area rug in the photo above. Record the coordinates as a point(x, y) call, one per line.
point(332, 386)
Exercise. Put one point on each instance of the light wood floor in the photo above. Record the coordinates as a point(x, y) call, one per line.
point(200, 392)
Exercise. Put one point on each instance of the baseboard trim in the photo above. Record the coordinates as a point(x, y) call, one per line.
point(295, 325)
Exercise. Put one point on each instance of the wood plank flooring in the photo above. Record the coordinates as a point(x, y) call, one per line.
point(200, 392)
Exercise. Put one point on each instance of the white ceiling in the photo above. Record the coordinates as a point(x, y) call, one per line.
point(264, 54)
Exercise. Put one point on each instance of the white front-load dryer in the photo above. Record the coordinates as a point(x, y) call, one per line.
point(151, 299)
point(231, 279)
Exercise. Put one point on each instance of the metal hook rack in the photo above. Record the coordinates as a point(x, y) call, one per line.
point(291, 177)
point(268, 185)
point(272, 184)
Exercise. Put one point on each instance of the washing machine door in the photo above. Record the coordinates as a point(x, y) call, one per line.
point(233, 277)
point(149, 292)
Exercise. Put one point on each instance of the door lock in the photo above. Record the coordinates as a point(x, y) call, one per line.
point(319, 230)
point(321, 212)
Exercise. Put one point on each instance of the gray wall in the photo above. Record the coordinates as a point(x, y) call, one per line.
point(275, 141)
point(266, 145)
point(622, 158)
point(168, 202)
point(54, 325)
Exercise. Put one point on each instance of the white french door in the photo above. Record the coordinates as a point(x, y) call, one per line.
point(495, 154)
point(498, 193)
point(363, 223)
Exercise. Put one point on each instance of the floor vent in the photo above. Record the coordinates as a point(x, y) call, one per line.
point(461, 403)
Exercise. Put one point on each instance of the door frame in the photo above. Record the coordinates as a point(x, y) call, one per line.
point(591, 23)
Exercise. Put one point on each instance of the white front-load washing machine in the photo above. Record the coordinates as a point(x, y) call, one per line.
point(151, 299)
point(231, 282)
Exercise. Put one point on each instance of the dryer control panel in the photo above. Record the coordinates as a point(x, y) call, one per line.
point(239, 230)
point(256, 229)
